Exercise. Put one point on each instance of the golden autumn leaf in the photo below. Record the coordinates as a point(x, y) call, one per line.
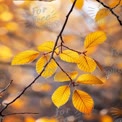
point(47, 47)
point(78, 4)
point(95, 38)
point(61, 95)
point(101, 14)
point(49, 70)
point(91, 50)
point(61, 76)
point(25, 57)
point(82, 101)
point(86, 64)
point(69, 56)
point(88, 79)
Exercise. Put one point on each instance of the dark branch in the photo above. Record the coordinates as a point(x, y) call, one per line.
point(72, 49)
point(111, 10)
point(62, 69)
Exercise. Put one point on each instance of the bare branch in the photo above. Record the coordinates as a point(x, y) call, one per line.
point(111, 10)
point(19, 113)
point(72, 49)
point(62, 69)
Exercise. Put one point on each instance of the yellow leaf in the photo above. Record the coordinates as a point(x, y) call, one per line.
point(94, 39)
point(82, 101)
point(61, 76)
point(78, 4)
point(91, 50)
point(25, 57)
point(88, 79)
point(61, 95)
point(6, 53)
point(101, 14)
point(49, 70)
point(6, 16)
point(86, 64)
point(69, 56)
point(46, 119)
point(47, 47)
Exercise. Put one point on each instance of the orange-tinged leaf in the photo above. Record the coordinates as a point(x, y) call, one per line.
point(114, 3)
point(91, 50)
point(88, 79)
point(29, 119)
point(49, 70)
point(107, 118)
point(101, 14)
point(69, 56)
point(78, 4)
point(82, 101)
point(86, 64)
point(46, 119)
point(61, 76)
point(61, 95)
point(95, 38)
point(25, 57)
point(47, 47)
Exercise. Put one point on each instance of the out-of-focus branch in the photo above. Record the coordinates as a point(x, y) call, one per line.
point(18, 113)
point(111, 10)
point(6, 87)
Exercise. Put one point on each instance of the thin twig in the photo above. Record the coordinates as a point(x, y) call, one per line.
point(63, 70)
point(6, 87)
point(62, 41)
point(72, 49)
point(111, 10)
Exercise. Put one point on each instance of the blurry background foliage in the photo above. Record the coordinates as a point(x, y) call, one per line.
point(19, 31)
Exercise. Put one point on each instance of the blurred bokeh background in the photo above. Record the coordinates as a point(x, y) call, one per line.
point(23, 27)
